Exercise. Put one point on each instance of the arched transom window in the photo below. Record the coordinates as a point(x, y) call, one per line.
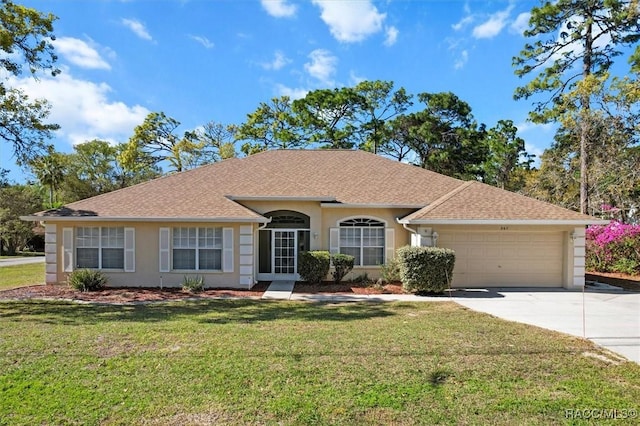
point(363, 238)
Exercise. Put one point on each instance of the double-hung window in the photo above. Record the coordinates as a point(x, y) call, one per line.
point(363, 239)
point(197, 248)
point(100, 247)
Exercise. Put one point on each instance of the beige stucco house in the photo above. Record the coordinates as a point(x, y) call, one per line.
point(243, 220)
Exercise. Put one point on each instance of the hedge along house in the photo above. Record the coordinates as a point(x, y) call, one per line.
point(243, 220)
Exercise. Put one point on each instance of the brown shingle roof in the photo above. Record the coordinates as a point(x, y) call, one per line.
point(350, 177)
point(475, 201)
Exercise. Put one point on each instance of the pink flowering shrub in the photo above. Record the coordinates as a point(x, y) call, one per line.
point(613, 248)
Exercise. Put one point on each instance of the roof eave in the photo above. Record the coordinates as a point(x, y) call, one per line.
point(370, 206)
point(143, 219)
point(576, 222)
point(278, 198)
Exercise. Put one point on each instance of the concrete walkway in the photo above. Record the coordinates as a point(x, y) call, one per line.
point(279, 290)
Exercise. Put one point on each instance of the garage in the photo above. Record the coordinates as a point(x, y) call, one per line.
point(506, 259)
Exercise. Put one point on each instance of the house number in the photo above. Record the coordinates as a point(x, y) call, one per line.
point(504, 228)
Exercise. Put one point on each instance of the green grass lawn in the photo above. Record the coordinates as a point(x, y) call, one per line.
point(242, 361)
point(21, 275)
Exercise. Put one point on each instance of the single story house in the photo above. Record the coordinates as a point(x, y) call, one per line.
point(244, 220)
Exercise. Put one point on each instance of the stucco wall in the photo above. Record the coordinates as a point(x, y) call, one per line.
point(147, 257)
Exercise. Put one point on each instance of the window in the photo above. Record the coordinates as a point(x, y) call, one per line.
point(197, 248)
point(100, 247)
point(364, 240)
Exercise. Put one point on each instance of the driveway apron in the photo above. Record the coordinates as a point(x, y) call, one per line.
point(609, 318)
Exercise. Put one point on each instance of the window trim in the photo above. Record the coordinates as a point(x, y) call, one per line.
point(99, 248)
point(381, 224)
point(197, 248)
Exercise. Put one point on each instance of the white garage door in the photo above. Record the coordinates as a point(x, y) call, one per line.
point(505, 259)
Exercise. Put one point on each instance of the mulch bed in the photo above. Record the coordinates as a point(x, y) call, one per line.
point(628, 282)
point(126, 294)
point(139, 295)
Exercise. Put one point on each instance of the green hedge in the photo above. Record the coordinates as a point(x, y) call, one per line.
point(313, 266)
point(425, 269)
point(342, 265)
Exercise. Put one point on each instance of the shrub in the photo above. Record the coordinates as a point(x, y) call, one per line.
point(313, 266)
point(613, 248)
point(425, 269)
point(193, 284)
point(87, 280)
point(342, 265)
point(390, 271)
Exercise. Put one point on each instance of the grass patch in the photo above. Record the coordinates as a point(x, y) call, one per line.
point(21, 275)
point(242, 361)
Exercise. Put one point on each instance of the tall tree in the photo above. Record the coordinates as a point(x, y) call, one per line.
point(446, 138)
point(16, 201)
point(507, 157)
point(50, 171)
point(574, 39)
point(328, 117)
point(216, 140)
point(378, 105)
point(272, 125)
point(25, 40)
point(156, 140)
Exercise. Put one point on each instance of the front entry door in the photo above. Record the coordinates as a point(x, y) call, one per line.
point(284, 253)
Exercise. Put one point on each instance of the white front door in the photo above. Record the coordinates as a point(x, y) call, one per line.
point(284, 259)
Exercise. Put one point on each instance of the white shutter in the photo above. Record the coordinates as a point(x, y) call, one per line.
point(389, 244)
point(129, 249)
point(227, 249)
point(334, 240)
point(67, 249)
point(164, 254)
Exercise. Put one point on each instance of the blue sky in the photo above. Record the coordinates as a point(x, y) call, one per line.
point(216, 60)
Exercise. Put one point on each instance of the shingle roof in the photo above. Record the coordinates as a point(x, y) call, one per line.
point(475, 201)
point(215, 191)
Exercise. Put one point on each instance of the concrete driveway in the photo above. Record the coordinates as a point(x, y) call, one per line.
point(610, 318)
point(21, 260)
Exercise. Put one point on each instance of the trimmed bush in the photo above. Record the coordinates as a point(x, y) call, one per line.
point(390, 271)
point(425, 269)
point(193, 284)
point(313, 266)
point(87, 280)
point(342, 264)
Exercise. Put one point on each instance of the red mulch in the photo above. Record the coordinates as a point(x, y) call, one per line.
point(126, 294)
point(134, 294)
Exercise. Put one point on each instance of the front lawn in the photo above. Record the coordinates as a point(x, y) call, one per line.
point(257, 362)
point(21, 275)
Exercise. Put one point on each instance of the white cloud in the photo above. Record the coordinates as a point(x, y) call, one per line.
point(83, 109)
point(355, 79)
point(208, 44)
point(350, 21)
point(462, 60)
point(278, 62)
point(492, 26)
point(279, 8)
point(462, 23)
point(80, 53)
point(521, 23)
point(137, 27)
point(322, 66)
point(292, 93)
point(392, 36)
